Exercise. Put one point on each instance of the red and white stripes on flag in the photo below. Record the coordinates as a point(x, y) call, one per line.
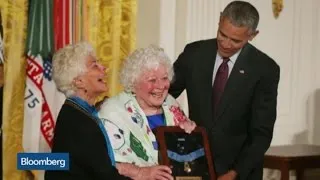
point(70, 22)
point(39, 118)
point(62, 30)
point(52, 25)
point(39, 112)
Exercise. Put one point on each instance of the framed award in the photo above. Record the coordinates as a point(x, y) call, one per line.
point(188, 155)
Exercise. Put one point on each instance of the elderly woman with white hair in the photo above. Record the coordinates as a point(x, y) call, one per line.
point(131, 116)
point(78, 130)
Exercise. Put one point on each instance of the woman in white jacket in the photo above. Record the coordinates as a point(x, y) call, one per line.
point(145, 104)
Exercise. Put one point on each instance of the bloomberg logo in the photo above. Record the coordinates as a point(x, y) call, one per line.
point(43, 161)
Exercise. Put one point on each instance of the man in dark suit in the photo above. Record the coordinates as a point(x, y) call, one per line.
point(232, 91)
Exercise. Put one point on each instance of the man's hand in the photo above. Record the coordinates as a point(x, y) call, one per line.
point(230, 175)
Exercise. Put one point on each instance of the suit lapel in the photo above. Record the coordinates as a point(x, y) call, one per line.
point(203, 78)
point(239, 74)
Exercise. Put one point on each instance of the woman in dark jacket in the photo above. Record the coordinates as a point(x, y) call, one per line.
point(78, 130)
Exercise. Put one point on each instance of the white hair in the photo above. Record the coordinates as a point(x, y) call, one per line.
point(68, 63)
point(140, 61)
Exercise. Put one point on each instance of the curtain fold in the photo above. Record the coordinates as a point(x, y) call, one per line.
point(14, 14)
point(111, 27)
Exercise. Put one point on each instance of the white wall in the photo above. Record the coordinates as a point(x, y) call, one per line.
point(148, 22)
point(293, 40)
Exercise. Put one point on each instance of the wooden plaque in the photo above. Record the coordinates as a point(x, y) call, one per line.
point(188, 155)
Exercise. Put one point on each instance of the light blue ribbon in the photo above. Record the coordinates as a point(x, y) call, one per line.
point(93, 111)
point(105, 134)
point(186, 157)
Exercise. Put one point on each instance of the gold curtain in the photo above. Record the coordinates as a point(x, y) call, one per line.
point(112, 31)
point(111, 28)
point(14, 14)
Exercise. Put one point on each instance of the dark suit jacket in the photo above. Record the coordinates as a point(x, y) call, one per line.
point(241, 130)
point(77, 133)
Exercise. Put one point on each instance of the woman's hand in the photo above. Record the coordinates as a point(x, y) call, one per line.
point(187, 125)
point(159, 172)
point(144, 173)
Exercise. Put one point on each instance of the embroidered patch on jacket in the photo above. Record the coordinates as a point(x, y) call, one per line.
point(116, 134)
point(136, 117)
point(178, 114)
point(137, 147)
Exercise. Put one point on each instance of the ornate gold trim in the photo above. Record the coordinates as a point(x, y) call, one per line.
point(277, 6)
